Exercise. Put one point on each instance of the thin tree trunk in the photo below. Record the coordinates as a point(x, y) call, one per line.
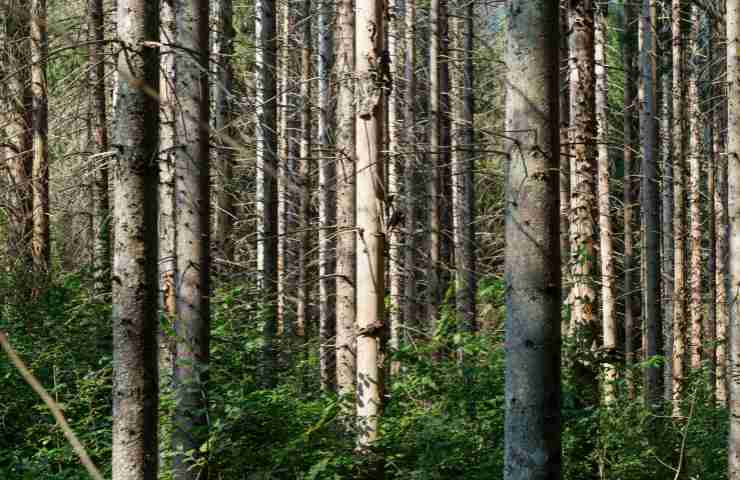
point(721, 224)
point(135, 252)
point(667, 237)
point(696, 306)
point(303, 179)
point(434, 177)
point(733, 185)
point(679, 206)
point(629, 54)
point(192, 200)
point(565, 134)
point(327, 200)
point(532, 421)
point(267, 169)
point(224, 130)
point(609, 320)
point(370, 254)
point(410, 166)
point(101, 207)
point(345, 151)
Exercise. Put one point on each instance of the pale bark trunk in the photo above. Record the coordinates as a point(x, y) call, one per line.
point(630, 95)
point(101, 204)
point(733, 185)
point(649, 197)
point(721, 224)
point(267, 196)
point(370, 193)
point(433, 179)
point(667, 237)
point(327, 200)
point(583, 200)
point(192, 200)
point(40, 247)
point(679, 206)
point(410, 166)
point(395, 180)
point(710, 327)
point(532, 421)
point(608, 315)
point(345, 151)
point(225, 133)
point(135, 252)
point(696, 306)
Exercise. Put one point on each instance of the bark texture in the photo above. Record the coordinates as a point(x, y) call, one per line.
point(532, 426)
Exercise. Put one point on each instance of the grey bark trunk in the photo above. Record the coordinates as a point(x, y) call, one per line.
point(434, 177)
point(667, 245)
point(135, 252)
point(410, 166)
point(532, 448)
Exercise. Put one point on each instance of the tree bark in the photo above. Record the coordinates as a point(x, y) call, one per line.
point(192, 199)
point(532, 448)
point(434, 177)
point(370, 195)
point(667, 236)
point(40, 245)
point(135, 252)
point(410, 166)
point(345, 151)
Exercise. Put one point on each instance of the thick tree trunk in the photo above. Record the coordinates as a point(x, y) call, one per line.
point(370, 196)
point(629, 54)
point(101, 207)
point(696, 306)
point(532, 425)
point(608, 314)
point(733, 185)
point(345, 151)
point(267, 169)
point(135, 251)
point(649, 201)
point(192, 200)
point(225, 133)
point(327, 200)
point(679, 205)
point(40, 245)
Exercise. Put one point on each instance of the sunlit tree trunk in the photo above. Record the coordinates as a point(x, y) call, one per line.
point(192, 200)
point(608, 314)
point(733, 185)
point(370, 191)
point(40, 245)
point(679, 205)
point(267, 196)
point(696, 305)
point(327, 199)
point(101, 207)
point(532, 423)
point(345, 164)
point(135, 251)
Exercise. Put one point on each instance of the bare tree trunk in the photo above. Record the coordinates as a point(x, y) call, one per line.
point(696, 306)
point(224, 130)
point(267, 196)
point(434, 178)
point(609, 320)
point(733, 185)
point(345, 151)
point(395, 179)
point(668, 246)
point(370, 254)
point(630, 96)
point(101, 207)
point(327, 200)
point(192, 200)
point(532, 425)
point(679, 206)
point(721, 225)
point(135, 252)
point(410, 166)
point(565, 135)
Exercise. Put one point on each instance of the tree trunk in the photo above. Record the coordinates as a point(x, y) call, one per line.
point(532, 421)
point(267, 169)
point(192, 200)
point(135, 251)
point(370, 197)
point(345, 151)
point(629, 54)
point(101, 207)
point(410, 166)
point(733, 185)
point(565, 134)
point(667, 236)
point(679, 206)
point(225, 133)
point(434, 177)
point(327, 200)
point(696, 305)
point(609, 320)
